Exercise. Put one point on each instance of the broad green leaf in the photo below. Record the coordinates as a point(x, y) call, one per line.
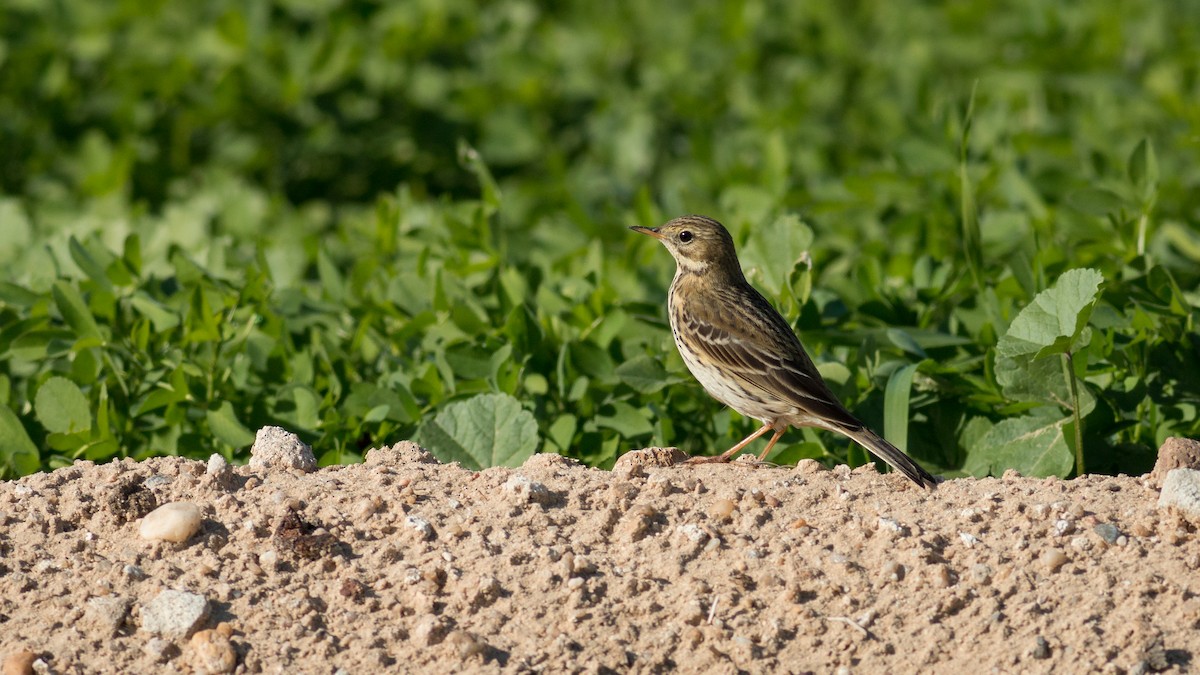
point(18, 454)
point(644, 374)
point(1056, 317)
point(1033, 445)
point(626, 420)
point(482, 431)
point(776, 248)
point(1042, 380)
point(228, 429)
point(61, 407)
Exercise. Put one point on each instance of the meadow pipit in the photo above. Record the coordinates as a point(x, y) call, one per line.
point(744, 353)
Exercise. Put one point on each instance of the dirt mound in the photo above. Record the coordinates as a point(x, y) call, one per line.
point(405, 564)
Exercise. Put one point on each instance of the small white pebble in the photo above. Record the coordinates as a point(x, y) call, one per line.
point(1054, 559)
point(968, 538)
point(176, 521)
point(419, 525)
point(217, 466)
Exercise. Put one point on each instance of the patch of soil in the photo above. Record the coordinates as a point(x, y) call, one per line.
point(406, 564)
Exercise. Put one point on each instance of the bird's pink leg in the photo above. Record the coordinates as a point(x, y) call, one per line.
point(724, 457)
point(771, 444)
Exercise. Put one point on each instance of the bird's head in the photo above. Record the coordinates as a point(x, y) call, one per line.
point(698, 244)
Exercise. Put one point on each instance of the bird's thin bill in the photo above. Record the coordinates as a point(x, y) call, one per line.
point(653, 232)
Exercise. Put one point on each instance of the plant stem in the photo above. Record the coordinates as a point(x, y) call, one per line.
point(1069, 365)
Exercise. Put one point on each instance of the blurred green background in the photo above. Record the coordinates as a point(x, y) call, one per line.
point(367, 222)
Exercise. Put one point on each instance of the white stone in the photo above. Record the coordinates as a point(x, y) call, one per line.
point(174, 614)
point(217, 466)
point(1181, 489)
point(522, 490)
point(278, 448)
point(176, 521)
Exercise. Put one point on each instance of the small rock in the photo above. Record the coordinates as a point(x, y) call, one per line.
point(1041, 648)
point(176, 521)
point(468, 644)
point(353, 589)
point(893, 570)
point(218, 470)
point(807, 466)
point(133, 572)
point(1054, 559)
point(157, 480)
point(1175, 453)
point(174, 614)
point(429, 631)
point(1181, 489)
point(19, 663)
point(693, 532)
point(419, 525)
point(633, 463)
point(159, 649)
point(981, 573)
point(522, 490)
point(108, 613)
point(722, 509)
point(1108, 532)
point(277, 448)
point(404, 452)
point(210, 652)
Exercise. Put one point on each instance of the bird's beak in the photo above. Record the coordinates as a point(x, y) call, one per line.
point(652, 231)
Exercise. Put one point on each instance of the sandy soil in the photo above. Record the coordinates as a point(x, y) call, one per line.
point(404, 564)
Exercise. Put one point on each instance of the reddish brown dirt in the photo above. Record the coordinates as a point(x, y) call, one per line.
point(404, 564)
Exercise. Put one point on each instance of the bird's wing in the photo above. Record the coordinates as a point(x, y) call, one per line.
point(755, 345)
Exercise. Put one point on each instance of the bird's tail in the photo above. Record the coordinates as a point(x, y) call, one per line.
point(892, 455)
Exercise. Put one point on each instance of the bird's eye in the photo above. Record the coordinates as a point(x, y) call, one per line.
point(685, 236)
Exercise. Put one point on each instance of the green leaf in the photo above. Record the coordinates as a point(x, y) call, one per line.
point(895, 406)
point(485, 430)
point(162, 318)
point(88, 263)
point(776, 249)
point(626, 420)
point(61, 407)
point(224, 424)
point(1027, 378)
point(1095, 201)
point(1033, 445)
point(904, 341)
point(1053, 322)
point(644, 374)
point(75, 311)
point(1143, 167)
point(18, 454)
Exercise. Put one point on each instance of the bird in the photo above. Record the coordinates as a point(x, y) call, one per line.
point(744, 353)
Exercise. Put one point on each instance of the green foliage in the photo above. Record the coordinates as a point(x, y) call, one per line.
point(351, 219)
point(484, 430)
